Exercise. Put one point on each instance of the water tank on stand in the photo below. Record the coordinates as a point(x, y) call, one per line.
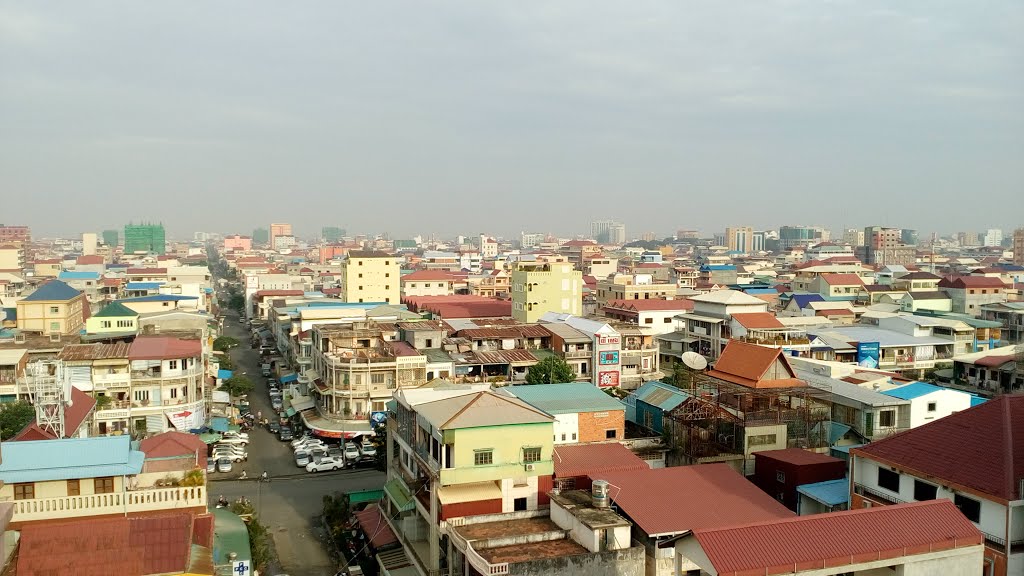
point(599, 493)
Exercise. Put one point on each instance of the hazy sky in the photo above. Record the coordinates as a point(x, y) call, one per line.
point(469, 116)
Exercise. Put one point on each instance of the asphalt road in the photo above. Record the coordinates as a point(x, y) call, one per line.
point(290, 503)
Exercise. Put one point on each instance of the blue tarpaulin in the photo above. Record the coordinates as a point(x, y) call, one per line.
point(224, 374)
point(289, 378)
point(219, 424)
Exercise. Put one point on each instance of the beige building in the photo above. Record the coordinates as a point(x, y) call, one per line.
point(1018, 246)
point(633, 287)
point(370, 276)
point(549, 287)
point(54, 308)
point(279, 230)
point(12, 258)
point(740, 239)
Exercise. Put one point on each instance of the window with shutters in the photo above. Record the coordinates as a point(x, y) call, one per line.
point(103, 485)
point(73, 488)
point(24, 491)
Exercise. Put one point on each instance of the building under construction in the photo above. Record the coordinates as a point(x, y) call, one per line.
point(750, 401)
point(146, 238)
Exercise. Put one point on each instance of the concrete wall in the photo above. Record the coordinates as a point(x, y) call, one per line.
point(946, 403)
point(628, 562)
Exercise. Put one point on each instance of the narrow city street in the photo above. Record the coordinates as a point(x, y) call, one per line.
point(291, 502)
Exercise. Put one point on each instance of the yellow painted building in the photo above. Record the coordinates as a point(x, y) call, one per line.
point(371, 276)
point(114, 318)
point(54, 308)
point(539, 288)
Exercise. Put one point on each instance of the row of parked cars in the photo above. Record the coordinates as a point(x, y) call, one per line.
point(230, 449)
point(315, 455)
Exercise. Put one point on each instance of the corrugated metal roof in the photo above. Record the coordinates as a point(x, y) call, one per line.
point(568, 398)
point(41, 460)
point(915, 390)
point(81, 352)
point(664, 501)
point(115, 310)
point(77, 275)
point(829, 492)
point(593, 459)
point(837, 539)
point(661, 395)
point(479, 410)
point(159, 298)
point(143, 285)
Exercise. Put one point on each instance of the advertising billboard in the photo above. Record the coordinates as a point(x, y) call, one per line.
point(868, 354)
point(608, 358)
point(607, 379)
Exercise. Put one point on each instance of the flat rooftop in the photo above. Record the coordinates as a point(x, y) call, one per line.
point(534, 551)
point(580, 504)
point(504, 529)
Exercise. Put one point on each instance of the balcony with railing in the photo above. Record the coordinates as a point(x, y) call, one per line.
point(132, 502)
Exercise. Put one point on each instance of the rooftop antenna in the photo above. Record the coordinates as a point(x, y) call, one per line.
point(50, 387)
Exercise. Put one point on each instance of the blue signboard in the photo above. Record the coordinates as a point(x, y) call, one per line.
point(868, 354)
point(609, 358)
point(377, 419)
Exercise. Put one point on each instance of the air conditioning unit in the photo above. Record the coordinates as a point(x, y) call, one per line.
point(530, 467)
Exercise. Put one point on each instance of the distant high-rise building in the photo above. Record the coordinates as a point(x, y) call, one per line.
point(530, 239)
point(89, 242)
point(968, 238)
point(279, 230)
point(682, 234)
point(646, 237)
point(549, 287)
point(260, 236)
point(884, 246)
point(994, 237)
point(111, 238)
point(759, 242)
point(608, 232)
point(1018, 246)
point(332, 234)
point(853, 236)
point(144, 238)
point(793, 236)
point(909, 237)
point(740, 239)
point(15, 234)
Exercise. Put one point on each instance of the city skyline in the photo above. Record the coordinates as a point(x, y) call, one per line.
point(659, 114)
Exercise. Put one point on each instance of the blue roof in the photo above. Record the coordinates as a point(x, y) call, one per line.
point(11, 314)
point(912, 390)
point(802, 300)
point(761, 291)
point(661, 395)
point(143, 285)
point(567, 398)
point(219, 424)
point(975, 400)
point(289, 378)
point(224, 374)
point(158, 298)
point(68, 459)
point(718, 267)
point(829, 492)
point(53, 291)
point(75, 275)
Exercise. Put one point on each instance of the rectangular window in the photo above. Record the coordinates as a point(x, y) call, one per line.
point(889, 480)
point(54, 310)
point(174, 392)
point(531, 454)
point(610, 434)
point(761, 439)
point(483, 457)
point(780, 476)
point(24, 491)
point(649, 321)
point(377, 378)
point(73, 488)
point(55, 326)
point(563, 437)
point(573, 435)
point(924, 491)
point(172, 364)
point(970, 507)
point(103, 485)
point(931, 406)
point(887, 418)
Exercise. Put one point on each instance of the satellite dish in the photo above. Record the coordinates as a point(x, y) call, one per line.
point(694, 361)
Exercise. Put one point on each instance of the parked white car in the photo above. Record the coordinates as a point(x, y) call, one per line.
point(302, 458)
point(367, 450)
point(351, 452)
point(310, 443)
point(224, 464)
point(235, 452)
point(324, 463)
point(236, 434)
point(233, 440)
point(301, 439)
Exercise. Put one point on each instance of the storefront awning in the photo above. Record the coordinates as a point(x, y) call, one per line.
point(327, 428)
point(473, 492)
point(289, 378)
point(300, 403)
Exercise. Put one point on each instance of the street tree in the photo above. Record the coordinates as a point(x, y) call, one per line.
point(237, 385)
point(551, 370)
point(224, 343)
point(14, 417)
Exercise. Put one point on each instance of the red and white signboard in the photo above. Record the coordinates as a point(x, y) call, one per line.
point(607, 379)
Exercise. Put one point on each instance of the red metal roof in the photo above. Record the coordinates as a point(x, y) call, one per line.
point(99, 547)
point(429, 275)
point(371, 520)
point(979, 448)
point(842, 279)
point(757, 320)
point(962, 282)
point(592, 460)
point(149, 271)
point(163, 348)
point(829, 541)
point(994, 361)
point(755, 366)
point(673, 500)
point(796, 456)
point(173, 444)
point(89, 259)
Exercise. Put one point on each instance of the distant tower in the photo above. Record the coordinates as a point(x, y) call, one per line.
point(51, 394)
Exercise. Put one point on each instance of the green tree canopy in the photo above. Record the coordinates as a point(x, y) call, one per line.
point(551, 370)
point(237, 302)
point(237, 385)
point(14, 417)
point(224, 343)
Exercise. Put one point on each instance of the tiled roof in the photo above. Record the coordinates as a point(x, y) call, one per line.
point(829, 541)
point(265, 293)
point(163, 348)
point(146, 271)
point(171, 444)
point(98, 547)
point(919, 276)
point(690, 498)
point(758, 320)
point(592, 460)
point(729, 297)
point(369, 254)
point(962, 282)
point(480, 409)
point(978, 448)
point(53, 291)
point(796, 456)
point(842, 279)
point(754, 366)
point(508, 332)
point(569, 398)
